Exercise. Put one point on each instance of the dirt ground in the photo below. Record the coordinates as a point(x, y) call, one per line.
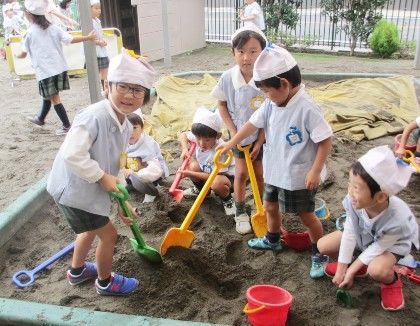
point(208, 281)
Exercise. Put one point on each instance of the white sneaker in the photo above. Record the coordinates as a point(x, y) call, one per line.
point(62, 131)
point(242, 224)
point(191, 192)
point(148, 198)
point(229, 206)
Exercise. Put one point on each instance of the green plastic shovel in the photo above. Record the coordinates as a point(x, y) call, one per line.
point(345, 297)
point(138, 244)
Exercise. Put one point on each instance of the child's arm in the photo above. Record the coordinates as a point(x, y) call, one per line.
point(90, 37)
point(227, 119)
point(246, 130)
point(313, 177)
point(21, 55)
point(195, 174)
point(404, 138)
point(101, 42)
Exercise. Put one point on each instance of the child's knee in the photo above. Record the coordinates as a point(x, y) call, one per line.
point(241, 176)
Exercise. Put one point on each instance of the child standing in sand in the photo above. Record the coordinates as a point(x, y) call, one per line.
point(43, 42)
point(298, 141)
point(205, 131)
point(101, 53)
point(252, 14)
point(86, 167)
point(379, 225)
point(412, 127)
point(238, 98)
point(145, 164)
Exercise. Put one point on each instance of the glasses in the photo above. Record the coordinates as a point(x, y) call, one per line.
point(138, 92)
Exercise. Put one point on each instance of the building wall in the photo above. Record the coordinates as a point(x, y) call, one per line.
point(185, 21)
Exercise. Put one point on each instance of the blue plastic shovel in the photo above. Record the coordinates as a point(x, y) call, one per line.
point(30, 275)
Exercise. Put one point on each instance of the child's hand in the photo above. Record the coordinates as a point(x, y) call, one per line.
point(124, 218)
point(109, 183)
point(400, 151)
point(127, 172)
point(255, 151)
point(312, 180)
point(347, 282)
point(224, 148)
point(91, 36)
point(184, 154)
point(101, 43)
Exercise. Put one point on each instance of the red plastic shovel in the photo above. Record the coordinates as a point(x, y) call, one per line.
point(173, 190)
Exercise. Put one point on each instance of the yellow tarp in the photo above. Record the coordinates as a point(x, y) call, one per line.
point(363, 108)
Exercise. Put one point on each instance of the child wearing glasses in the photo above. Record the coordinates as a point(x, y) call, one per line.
point(85, 171)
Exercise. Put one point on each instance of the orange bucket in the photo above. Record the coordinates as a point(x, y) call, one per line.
point(268, 305)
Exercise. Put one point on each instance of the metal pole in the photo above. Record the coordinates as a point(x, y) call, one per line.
point(417, 57)
point(90, 52)
point(166, 45)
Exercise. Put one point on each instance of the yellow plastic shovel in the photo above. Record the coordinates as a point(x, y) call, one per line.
point(408, 157)
point(258, 220)
point(182, 237)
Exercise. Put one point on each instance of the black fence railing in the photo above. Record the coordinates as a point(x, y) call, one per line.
point(314, 28)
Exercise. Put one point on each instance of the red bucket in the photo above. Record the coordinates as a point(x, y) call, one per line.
point(297, 240)
point(268, 305)
point(397, 139)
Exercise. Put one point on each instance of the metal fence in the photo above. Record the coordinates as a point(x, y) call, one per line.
point(314, 27)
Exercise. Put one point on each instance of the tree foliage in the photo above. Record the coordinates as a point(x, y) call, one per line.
point(281, 11)
point(384, 40)
point(358, 17)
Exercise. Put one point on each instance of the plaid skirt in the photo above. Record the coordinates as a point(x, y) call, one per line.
point(51, 86)
point(291, 201)
point(103, 62)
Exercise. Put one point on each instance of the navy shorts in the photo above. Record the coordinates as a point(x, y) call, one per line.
point(291, 201)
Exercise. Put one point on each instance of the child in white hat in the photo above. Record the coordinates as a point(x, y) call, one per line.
point(101, 52)
point(379, 226)
point(298, 141)
point(252, 15)
point(206, 132)
point(43, 42)
point(86, 167)
point(237, 99)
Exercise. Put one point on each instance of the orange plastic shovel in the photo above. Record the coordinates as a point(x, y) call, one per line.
point(176, 193)
point(182, 237)
point(258, 220)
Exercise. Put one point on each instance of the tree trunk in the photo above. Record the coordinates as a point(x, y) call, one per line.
point(353, 42)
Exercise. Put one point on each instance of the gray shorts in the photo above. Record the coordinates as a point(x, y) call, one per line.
point(295, 201)
point(82, 221)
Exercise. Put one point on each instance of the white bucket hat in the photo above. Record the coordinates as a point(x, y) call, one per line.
point(272, 61)
point(94, 2)
point(208, 118)
point(36, 7)
point(381, 164)
point(125, 68)
point(252, 28)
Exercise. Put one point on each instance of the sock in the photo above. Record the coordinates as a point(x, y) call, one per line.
point(273, 237)
point(314, 249)
point(226, 198)
point(77, 271)
point(103, 83)
point(104, 283)
point(61, 112)
point(240, 208)
point(416, 154)
point(45, 108)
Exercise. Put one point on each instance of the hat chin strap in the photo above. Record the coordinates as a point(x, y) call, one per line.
point(113, 104)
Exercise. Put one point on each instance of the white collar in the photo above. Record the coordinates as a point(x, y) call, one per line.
point(114, 117)
point(297, 96)
point(238, 80)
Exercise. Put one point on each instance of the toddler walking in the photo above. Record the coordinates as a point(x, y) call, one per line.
point(43, 42)
point(85, 171)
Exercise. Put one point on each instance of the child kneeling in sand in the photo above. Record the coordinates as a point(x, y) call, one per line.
point(205, 131)
point(378, 224)
point(85, 172)
point(145, 164)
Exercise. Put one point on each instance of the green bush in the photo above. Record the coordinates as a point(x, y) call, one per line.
point(384, 40)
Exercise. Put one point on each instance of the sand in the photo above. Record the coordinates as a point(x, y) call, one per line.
point(208, 281)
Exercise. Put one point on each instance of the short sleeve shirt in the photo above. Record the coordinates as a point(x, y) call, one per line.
point(242, 98)
point(292, 133)
point(254, 9)
point(418, 122)
point(100, 50)
point(45, 47)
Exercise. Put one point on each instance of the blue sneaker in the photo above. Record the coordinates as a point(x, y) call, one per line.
point(119, 285)
point(317, 266)
point(264, 244)
point(88, 273)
